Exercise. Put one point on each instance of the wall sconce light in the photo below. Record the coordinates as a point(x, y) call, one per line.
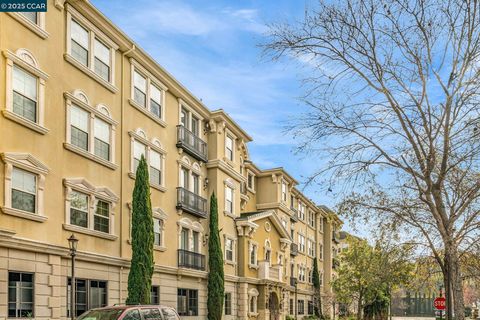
point(205, 184)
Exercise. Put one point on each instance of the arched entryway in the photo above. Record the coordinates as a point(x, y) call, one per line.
point(274, 306)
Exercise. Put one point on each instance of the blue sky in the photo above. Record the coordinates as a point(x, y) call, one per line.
point(211, 48)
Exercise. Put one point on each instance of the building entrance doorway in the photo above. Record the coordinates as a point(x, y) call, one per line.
point(274, 306)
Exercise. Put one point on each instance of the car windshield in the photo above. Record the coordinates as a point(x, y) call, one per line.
point(111, 314)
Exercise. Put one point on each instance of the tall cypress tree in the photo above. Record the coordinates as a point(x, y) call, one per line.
point(141, 270)
point(318, 295)
point(216, 289)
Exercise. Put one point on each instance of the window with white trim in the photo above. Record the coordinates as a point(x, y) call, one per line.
point(310, 276)
point(25, 90)
point(229, 147)
point(311, 247)
point(320, 224)
point(311, 219)
point(301, 210)
point(90, 50)
point(250, 181)
point(24, 186)
point(89, 209)
point(229, 249)
point(21, 293)
point(301, 243)
point(154, 156)
point(189, 119)
point(158, 228)
point(253, 255)
point(320, 254)
point(90, 130)
point(148, 94)
point(229, 199)
point(25, 94)
point(24, 190)
point(252, 301)
point(284, 191)
point(301, 273)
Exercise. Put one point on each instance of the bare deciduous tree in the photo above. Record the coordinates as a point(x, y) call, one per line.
point(394, 106)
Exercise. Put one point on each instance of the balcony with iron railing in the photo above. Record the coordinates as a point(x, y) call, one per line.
point(293, 249)
point(293, 214)
point(191, 144)
point(293, 281)
point(191, 202)
point(191, 260)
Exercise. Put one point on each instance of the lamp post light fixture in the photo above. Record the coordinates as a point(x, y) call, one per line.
point(72, 244)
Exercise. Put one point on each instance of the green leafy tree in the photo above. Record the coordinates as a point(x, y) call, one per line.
point(140, 276)
point(216, 284)
point(367, 274)
point(318, 294)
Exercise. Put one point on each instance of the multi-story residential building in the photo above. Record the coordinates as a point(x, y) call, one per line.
point(80, 103)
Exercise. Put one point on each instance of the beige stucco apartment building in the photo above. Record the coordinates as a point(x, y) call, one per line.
point(80, 103)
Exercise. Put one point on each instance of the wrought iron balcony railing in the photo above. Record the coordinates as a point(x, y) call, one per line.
point(191, 260)
point(293, 249)
point(293, 281)
point(191, 202)
point(294, 214)
point(191, 144)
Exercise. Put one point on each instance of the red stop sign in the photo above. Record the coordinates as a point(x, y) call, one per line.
point(439, 303)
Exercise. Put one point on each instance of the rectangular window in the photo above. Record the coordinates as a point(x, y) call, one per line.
point(229, 148)
point(184, 178)
point(229, 199)
point(157, 231)
point(253, 255)
point(228, 303)
point(31, 16)
point(310, 307)
point(24, 190)
point(155, 168)
point(155, 295)
point(102, 60)
point(284, 192)
point(20, 295)
point(102, 139)
point(25, 93)
point(155, 101)
point(196, 183)
point(139, 89)
point(196, 241)
point(184, 118)
point(184, 240)
point(80, 42)
point(301, 243)
point(89, 294)
point(79, 122)
point(187, 302)
point(228, 249)
point(79, 209)
point(195, 126)
point(320, 224)
point(292, 200)
point(320, 254)
point(292, 311)
point(301, 307)
point(250, 181)
point(101, 217)
point(138, 150)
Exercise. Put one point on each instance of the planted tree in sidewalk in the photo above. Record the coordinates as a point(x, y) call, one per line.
point(318, 294)
point(216, 285)
point(141, 270)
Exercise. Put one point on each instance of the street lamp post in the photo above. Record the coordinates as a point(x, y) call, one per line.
point(72, 243)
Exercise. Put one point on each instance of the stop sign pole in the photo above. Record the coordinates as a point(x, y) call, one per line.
point(439, 304)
